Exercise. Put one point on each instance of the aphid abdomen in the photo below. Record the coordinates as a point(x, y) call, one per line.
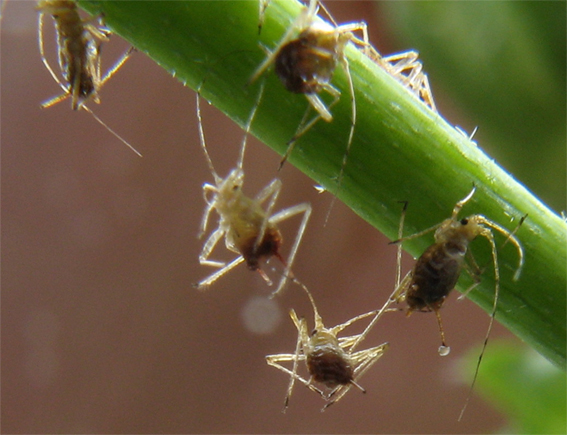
point(329, 365)
point(435, 274)
point(304, 66)
point(268, 247)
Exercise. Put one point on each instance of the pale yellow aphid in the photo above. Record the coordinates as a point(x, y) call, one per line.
point(248, 229)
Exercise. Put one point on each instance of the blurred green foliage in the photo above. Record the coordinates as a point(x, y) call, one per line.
point(503, 64)
point(522, 384)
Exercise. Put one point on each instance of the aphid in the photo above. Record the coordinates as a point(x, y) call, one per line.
point(248, 229)
point(406, 68)
point(437, 271)
point(330, 360)
point(306, 58)
point(79, 43)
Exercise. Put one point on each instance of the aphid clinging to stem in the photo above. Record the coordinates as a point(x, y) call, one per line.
point(437, 270)
point(79, 43)
point(330, 360)
point(305, 60)
point(248, 229)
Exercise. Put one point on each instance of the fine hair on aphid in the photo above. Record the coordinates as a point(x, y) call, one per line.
point(248, 229)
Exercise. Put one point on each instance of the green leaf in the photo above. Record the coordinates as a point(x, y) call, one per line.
point(523, 385)
point(401, 150)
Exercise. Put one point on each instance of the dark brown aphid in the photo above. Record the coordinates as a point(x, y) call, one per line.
point(248, 229)
point(437, 271)
point(79, 43)
point(305, 60)
point(330, 360)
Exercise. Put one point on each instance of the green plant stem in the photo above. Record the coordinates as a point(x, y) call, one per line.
point(401, 149)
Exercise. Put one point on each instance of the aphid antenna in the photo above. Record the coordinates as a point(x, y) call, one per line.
point(202, 140)
point(249, 124)
point(512, 238)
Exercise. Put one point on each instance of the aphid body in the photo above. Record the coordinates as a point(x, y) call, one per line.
point(78, 49)
point(437, 270)
point(79, 44)
point(305, 60)
point(248, 229)
point(330, 360)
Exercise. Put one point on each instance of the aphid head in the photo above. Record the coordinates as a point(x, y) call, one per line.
point(458, 231)
point(322, 337)
point(232, 184)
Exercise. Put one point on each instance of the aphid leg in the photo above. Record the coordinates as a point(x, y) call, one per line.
point(304, 208)
point(208, 248)
point(45, 61)
point(275, 360)
point(210, 206)
point(118, 64)
point(206, 283)
point(408, 69)
point(323, 112)
point(349, 28)
point(474, 271)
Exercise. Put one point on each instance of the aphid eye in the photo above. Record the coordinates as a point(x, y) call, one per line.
point(464, 221)
point(313, 332)
point(235, 187)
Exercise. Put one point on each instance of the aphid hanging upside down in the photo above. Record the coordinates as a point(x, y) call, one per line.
point(305, 60)
point(248, 229)
point(437, 271)
point(330, 360)
point(79, 43)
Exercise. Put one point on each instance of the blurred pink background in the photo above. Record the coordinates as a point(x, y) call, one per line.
point(101, 329)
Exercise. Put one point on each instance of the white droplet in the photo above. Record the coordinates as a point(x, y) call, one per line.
point(444, 350)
